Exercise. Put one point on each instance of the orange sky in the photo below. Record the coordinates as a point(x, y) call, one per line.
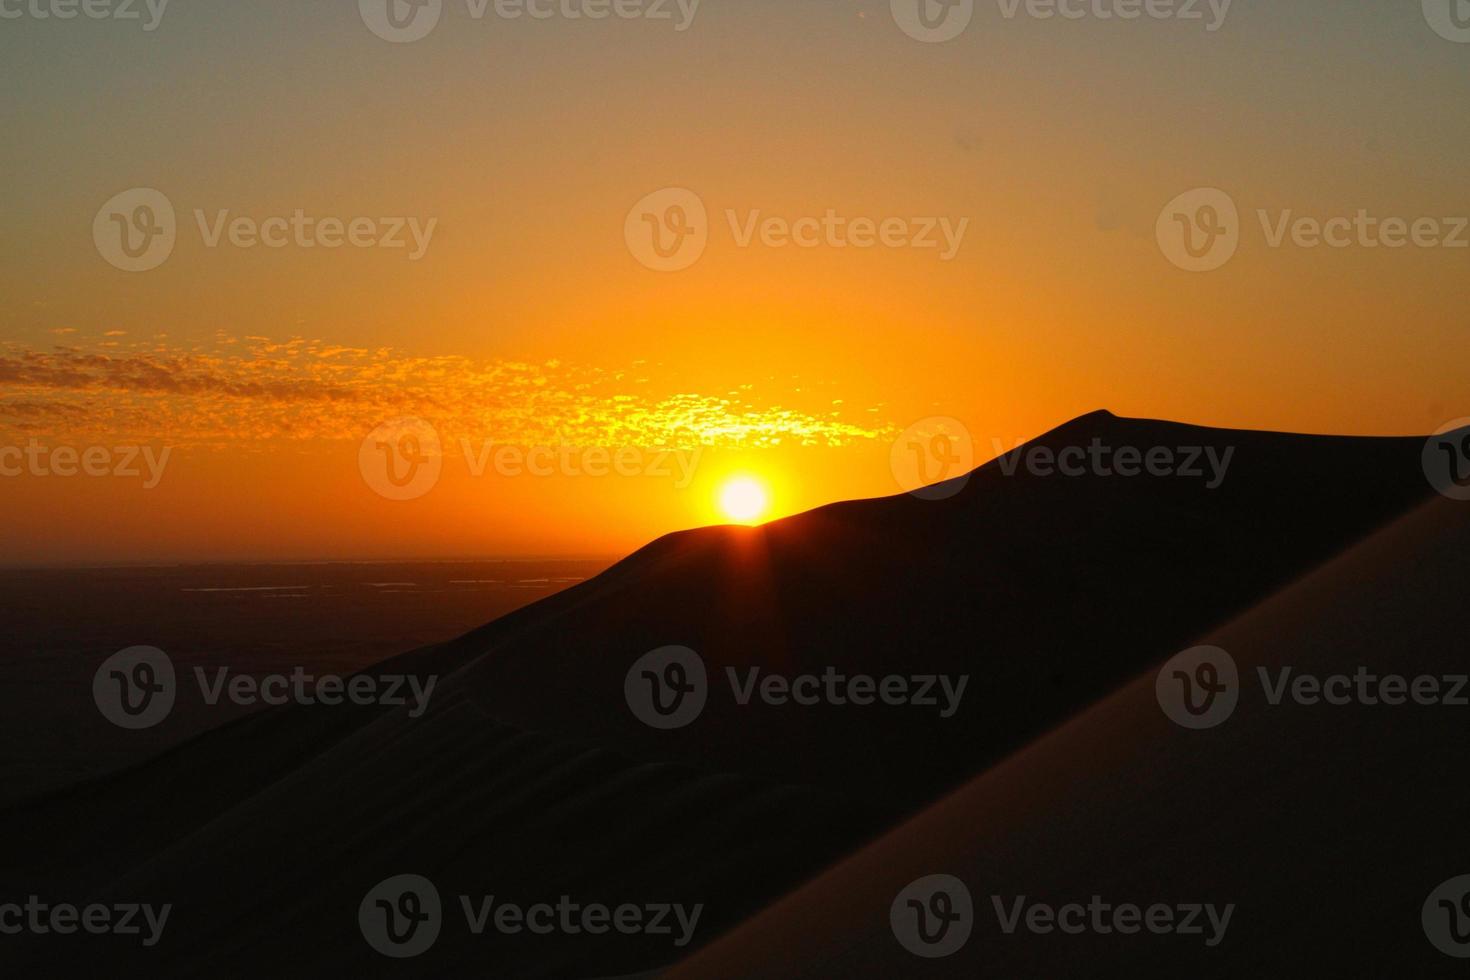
point(529, 320)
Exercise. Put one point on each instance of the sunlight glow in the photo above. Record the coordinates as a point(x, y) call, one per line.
point(744, 500)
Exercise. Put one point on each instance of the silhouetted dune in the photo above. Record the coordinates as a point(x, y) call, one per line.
point(530, 777)
point(1327, 826)
point(1049, 590)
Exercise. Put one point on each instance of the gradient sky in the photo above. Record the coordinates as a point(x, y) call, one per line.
point(528, 321)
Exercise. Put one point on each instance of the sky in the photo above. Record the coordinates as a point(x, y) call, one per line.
point(862, 234)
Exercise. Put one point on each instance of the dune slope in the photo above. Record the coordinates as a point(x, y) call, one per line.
point(529, 777)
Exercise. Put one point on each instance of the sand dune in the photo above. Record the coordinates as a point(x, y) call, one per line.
point(1326, 826)
point(530, 777)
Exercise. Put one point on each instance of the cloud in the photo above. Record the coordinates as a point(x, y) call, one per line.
point(248, 393)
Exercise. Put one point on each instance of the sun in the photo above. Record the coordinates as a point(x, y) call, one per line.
point(744, 499)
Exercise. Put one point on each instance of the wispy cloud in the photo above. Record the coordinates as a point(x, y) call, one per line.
point(245, 392)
